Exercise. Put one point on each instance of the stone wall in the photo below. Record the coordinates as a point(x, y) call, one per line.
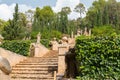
point(12, 57)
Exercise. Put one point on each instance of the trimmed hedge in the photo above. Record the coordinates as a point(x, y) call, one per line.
point(22, 46)
point(98, 58)
point(17, 46)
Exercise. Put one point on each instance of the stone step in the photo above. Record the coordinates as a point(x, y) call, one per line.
point(35, 69)
point(33, 79)
point(35, 66)
point(40, 61)
point(53, 63)
point(29, 76)
point(36, 72)
point(37, 58)
point(50, 62)
point(41, 57)
point(29, 73)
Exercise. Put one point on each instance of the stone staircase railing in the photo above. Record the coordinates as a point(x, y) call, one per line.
point(62, 50)
point(8, 59)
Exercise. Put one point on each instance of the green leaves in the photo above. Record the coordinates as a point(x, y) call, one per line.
point(98, 57)
point(19, 47)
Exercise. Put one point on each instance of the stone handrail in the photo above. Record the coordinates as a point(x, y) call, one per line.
point(5, 65)
point(8, 59)
point(63, 49)
point(12, 57)
point(5, 69)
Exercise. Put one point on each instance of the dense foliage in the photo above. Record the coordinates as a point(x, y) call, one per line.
point(104, 12)
point(101, 13)
point(2, 24)
point(14, 29)
point(98, 58)
point(17, 46)
point(47, 34)
point(45, 20)
point(45, 42)
point(103, 31)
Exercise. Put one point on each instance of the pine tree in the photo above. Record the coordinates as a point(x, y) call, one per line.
point(13, 30)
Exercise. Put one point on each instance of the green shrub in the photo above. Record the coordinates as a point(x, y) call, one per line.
point(47, 34)
point(45, 42)
point(98, 58)
point(51, 34)
point(103, 31)
point(17, 46)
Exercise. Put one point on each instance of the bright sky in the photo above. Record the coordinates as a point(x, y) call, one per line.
point(7, 6)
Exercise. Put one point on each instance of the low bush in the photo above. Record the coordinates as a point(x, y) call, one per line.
point(45, 42)
point(98, 58)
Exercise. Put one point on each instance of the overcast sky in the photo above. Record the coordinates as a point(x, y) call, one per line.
point(7, 6)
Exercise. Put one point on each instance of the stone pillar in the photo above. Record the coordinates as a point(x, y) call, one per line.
point(54, 44)
point(89, 32)
point(63, 49)
point(38, 38)
point(36, 54)
point(78, 32)
point(72, 35)
point(85, 32)
point(81, 32)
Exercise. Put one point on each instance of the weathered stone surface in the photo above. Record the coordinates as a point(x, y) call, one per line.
point(5, 65)
point(4, 76)
point(38, 50)
point(35, 68)
point(54, 44)
point(61, 59)
point(12, 57)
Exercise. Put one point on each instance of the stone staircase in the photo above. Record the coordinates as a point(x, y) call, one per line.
point(36, 68)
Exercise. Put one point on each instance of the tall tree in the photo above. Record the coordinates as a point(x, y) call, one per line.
point(23, 19)
point(104, 12)
point(80, 8)
point(30, 15)
point(63, 19)
point(43, 20)
point(14, 29)
point(67, 10)
point(2, 24)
